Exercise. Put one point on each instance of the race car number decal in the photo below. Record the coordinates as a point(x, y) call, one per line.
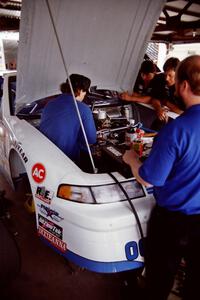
point(38, 173)
point(133, 249)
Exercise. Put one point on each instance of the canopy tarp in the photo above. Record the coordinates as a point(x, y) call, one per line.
point(102, 39)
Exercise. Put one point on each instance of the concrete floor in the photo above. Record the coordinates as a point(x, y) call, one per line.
point(45, 275)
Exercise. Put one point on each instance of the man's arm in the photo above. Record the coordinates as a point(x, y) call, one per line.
point(135, 97)
point(132, 159)
point(174, 108)
point(89, 125)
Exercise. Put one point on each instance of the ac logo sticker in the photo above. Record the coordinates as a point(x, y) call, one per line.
point(38, 173)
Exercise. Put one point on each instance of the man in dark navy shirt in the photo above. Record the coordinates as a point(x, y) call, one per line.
point(60, 122)
point(173, 168)
point(163, 97)
point(142, 88)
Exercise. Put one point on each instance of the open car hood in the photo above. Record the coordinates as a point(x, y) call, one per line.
point(104, 40)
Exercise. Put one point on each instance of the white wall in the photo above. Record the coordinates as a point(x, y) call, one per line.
point(162, 52)
point(184, 50)
point(180, 51)
point(8, 49)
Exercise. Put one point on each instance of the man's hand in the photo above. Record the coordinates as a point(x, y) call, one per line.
point(125, 96)
point(131, 158)
point(162, 114)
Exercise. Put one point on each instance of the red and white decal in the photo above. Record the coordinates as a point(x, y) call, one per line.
point(38, 173)
point(59, 244)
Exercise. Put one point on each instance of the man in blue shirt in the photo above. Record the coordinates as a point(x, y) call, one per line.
point(60, 122)
point(173, 167)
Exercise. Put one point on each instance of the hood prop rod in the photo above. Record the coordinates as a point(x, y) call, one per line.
point(70, 84)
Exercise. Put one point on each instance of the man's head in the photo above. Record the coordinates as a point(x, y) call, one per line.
point(188, 80)
point(80, 85)
point(169, 69)
point(147, 70)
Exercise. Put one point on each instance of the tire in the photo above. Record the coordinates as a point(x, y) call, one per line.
point(10, 260)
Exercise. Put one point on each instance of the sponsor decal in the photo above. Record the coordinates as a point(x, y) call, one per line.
point(48, 212)
point(20, 151)
point(50, 226)
point(59, 244)
point(44, 195)
point(38, 172)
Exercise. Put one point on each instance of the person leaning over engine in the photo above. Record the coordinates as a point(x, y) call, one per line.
point(60, 122)
point(163, 96)
point(142, 88)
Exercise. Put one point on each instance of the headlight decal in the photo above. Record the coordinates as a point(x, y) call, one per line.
point(81, 194)
point(101, 194)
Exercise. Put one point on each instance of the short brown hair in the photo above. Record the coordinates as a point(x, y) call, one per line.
point(147, 67)
point(189, 70)
point(79, 82)
point(171, 64)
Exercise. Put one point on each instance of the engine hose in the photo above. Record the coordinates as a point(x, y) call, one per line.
point(131, 205)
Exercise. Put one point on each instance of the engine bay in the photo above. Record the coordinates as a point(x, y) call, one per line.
point(118, 128)
point(118, 125)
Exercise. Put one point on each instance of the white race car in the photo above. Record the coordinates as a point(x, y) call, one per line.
point(97, 220)
point(86, 217)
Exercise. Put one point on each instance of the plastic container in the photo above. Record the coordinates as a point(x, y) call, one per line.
point(131, 134)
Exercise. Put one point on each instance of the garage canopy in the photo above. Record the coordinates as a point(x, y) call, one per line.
point(103, 39)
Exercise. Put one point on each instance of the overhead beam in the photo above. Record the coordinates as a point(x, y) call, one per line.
point(7, 24)
point(10, 7)
point(174, 27)
point(174, 39)
point(178, 10)
point(193, 1)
